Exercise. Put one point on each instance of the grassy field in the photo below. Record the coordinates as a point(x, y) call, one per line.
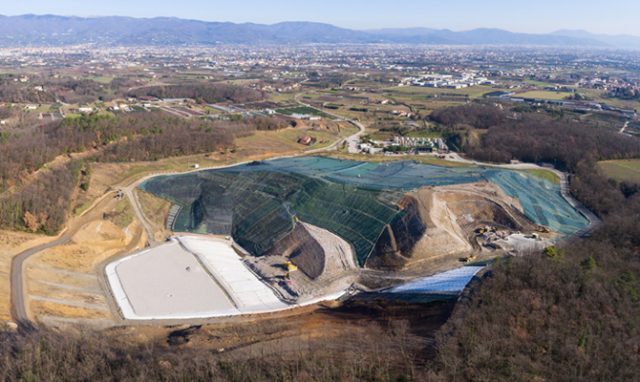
point(622, 170)
point(105, 80)
point(282, 97)
point(625, 104)
point(542, 94)
point(424, 134)
point(122, 214)
point(472, 92)
point(155, 210)
point(288, 139)
point(303, 110)
point(424, 159)
point(541, 84)
point(545, 174)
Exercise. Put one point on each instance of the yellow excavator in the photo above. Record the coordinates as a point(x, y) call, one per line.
point(290, 266)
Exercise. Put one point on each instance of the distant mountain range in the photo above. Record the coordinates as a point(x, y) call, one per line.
point(48, 30)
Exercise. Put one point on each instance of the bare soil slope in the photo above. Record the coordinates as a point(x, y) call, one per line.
point(452, 213)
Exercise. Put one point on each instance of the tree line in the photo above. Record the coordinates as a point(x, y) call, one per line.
point(201, 93)
point(40, 90)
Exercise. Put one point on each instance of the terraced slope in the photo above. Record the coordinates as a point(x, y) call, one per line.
point(364, 203)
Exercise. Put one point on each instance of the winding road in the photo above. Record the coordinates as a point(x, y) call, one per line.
point(19, 310)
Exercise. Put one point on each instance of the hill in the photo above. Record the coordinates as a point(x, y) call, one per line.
point(618, 41)
point(51, 30)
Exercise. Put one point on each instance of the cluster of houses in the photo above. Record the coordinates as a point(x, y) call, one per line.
point(120, 107)
point(447, 81)
point(307, 117)
point(406, 145)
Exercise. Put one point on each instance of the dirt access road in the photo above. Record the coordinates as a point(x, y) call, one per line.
point(18, 304)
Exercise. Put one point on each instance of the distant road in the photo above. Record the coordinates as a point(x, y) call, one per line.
point(626, 124)
point(352, 140)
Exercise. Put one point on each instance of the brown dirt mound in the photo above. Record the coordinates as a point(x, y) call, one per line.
point(451, 215)
point(483, 204)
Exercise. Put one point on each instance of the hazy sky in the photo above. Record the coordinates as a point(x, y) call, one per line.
point(610, 16)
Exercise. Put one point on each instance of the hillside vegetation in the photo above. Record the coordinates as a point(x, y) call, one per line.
point(200, 93)
point(39, 173)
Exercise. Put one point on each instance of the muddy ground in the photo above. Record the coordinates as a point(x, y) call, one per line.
point(397, 328)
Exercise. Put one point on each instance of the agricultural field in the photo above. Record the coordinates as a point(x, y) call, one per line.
point(540, 84)
point(622, 170)
point(362, 106)
point(543, 94)
point(105, 80)
point(303, 110)
point(547, 175)
point(287, 139)
point(417, 92)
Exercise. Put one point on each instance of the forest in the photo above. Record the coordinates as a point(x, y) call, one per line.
point(27, 192)
point(624, 93)
point(201, 93)
point(28, 148)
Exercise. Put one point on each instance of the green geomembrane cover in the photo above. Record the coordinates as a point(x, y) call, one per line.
point(258, 203)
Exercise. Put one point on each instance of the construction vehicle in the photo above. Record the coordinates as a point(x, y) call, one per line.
point(468, 259)
point(290, 267)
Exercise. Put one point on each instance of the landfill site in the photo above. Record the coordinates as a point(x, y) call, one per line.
point(268, 237)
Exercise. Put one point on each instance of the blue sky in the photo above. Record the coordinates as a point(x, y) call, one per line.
point(612, 16)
